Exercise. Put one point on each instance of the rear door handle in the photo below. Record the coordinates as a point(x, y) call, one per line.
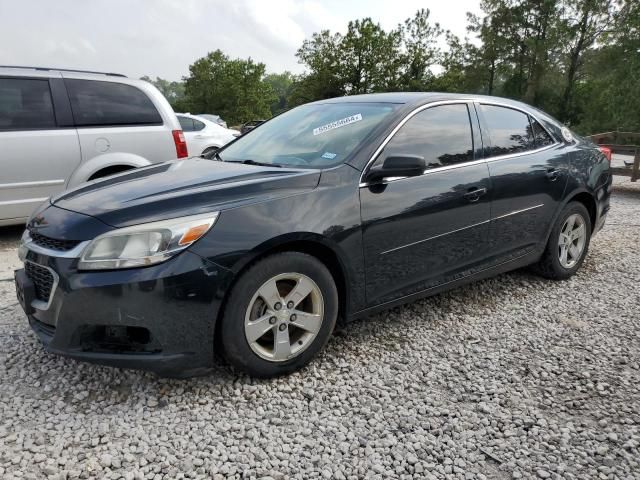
point(553, 174)
point(474, 194)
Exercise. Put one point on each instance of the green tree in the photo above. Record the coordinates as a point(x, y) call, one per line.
point(282, 86)
point(235, 89)
point(585, 22)
point(172, 91)
point(325, 78)
point(421, 52)
point(370, 57)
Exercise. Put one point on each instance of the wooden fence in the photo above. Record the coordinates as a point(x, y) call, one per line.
point(624, 143)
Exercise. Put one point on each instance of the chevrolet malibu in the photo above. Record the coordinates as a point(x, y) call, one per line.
point(333, 210)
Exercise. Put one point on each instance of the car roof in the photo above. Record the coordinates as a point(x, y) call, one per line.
point(419, 98)
point(412, 100)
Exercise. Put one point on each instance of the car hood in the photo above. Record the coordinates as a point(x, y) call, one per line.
point(182, 187)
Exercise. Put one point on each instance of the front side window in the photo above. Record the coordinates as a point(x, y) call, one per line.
point(441, 135)
point(97, 103)
point(509, 130)
point(25, 104)
point(311, 136)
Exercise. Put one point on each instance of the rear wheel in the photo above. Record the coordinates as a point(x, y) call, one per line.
point(280, 313)
point(568, 243)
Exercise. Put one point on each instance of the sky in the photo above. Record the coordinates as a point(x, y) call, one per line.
point(161, 38)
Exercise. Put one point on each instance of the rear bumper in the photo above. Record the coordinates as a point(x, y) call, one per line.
point(159, 318)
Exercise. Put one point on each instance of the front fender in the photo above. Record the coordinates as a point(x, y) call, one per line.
point(84, 171)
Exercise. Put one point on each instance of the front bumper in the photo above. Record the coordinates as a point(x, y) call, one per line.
point(159, 318)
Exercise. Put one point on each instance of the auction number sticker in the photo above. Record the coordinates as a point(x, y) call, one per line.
point(338, 124)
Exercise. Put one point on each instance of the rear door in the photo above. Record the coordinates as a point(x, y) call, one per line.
point(38, 145)
point(422, 231)
point(528, 170)
point(114, 117)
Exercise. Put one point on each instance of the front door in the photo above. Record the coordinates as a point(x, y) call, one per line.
point(422, 231)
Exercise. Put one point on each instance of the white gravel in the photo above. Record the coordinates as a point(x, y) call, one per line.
point(513, 377)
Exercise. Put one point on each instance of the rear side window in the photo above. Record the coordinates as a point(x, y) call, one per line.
point(442, 135)
point(25, 104)
point(509, 129)
point(186, 123)
point(96, 103)
point(197, 125)
point(540, 135)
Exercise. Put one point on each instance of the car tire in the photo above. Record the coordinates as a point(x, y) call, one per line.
point(209, 153)
point(255, 332)
point(573, 248)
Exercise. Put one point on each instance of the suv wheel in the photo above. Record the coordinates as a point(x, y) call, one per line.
point(568, 243)
point(280, 313)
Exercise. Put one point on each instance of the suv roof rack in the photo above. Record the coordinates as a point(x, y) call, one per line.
point(46, 69)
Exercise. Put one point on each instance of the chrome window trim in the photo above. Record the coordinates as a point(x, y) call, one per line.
point(520, 154)
point(467, 101)
point(39, 304)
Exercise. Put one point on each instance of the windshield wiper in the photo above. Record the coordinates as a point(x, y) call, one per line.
point(253, 162)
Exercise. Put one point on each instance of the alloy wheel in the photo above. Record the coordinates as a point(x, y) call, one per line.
point(571, 243)
point(284, 316)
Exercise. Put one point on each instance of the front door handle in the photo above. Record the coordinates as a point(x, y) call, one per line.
point(553, 174)
point(474, 194)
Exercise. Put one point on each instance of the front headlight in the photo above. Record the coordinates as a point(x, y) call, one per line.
point(145, 244)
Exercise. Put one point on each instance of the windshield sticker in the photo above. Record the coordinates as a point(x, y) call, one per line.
point(329, 155)
point(338, 123)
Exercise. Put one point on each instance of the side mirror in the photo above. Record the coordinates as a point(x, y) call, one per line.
point(397, 166)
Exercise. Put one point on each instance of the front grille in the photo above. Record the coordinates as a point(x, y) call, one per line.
point(42, 280)
point(52, 243)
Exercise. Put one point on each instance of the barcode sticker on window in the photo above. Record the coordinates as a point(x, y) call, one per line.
point(338, 124)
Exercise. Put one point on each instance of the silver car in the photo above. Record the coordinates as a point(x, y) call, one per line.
point(59, 128)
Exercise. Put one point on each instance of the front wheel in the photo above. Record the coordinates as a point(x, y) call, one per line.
point(568, 243)
point(279, 314)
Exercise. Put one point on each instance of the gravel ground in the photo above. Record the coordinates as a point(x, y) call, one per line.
point(513, 377)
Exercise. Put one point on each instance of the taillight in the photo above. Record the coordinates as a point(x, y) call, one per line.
point(181, 143)
point(607, 152)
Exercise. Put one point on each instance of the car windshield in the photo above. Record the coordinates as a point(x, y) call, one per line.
point(310, 136)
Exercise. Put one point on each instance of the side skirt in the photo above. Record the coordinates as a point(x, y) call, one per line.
point(513, 264)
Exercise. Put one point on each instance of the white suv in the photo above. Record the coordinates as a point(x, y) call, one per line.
point(59, 128)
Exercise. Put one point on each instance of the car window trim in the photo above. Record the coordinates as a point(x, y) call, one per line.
point(479, 103)
point(468, 102)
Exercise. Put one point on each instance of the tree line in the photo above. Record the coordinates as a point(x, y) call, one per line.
point(579, 60)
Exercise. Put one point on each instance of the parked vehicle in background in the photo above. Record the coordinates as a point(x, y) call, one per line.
point(213, 118)
point(247, 127)
point(204, 137)
point(339, 208)
point(59, 128)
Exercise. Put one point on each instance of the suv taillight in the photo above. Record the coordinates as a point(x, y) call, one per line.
point(607, 152)
point(181, 144)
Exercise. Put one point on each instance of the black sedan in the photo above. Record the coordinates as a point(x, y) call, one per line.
point(333, 210)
